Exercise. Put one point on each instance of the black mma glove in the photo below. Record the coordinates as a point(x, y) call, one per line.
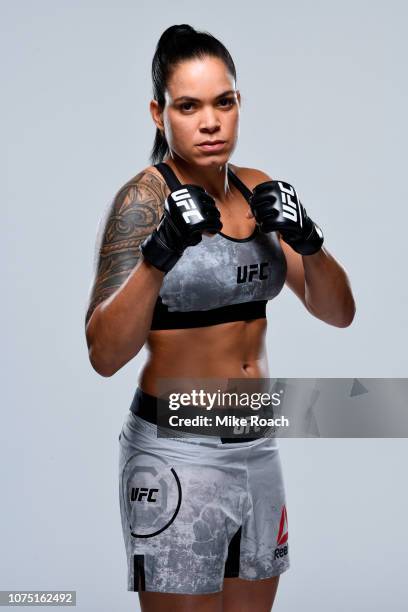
point(276, 207)
point(188, 212)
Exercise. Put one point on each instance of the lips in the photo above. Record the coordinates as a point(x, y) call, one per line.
point(212, 145)
point(211, 142)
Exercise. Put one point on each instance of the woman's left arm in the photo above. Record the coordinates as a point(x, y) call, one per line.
point(318, 280)
point(322, 284)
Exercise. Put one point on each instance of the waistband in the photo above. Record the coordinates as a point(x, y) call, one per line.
point(144, 406)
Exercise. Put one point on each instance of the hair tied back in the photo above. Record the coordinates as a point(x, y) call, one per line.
point(173, 32)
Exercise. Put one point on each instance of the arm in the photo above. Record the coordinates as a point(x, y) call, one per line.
point(125, 287)
point(318, 280)
point(321, 283)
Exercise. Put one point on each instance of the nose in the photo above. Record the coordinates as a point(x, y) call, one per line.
point(209, 121)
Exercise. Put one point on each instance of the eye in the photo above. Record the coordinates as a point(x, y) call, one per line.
point(185, 104)
point(228, 102)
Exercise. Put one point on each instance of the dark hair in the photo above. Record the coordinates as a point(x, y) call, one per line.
point(178, 43)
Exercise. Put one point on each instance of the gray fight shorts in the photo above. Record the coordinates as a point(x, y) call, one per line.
point(195, 510)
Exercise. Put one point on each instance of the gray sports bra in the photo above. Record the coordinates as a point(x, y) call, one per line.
point(221, 279)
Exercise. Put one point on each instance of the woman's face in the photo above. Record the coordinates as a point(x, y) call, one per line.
point(202, 105)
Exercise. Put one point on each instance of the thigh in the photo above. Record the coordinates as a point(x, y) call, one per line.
point(264, 549)
point(170, 602)
point(178, 512)
point(249, 595)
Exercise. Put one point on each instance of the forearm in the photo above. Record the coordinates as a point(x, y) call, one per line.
point(328, 293)
point(119, 326)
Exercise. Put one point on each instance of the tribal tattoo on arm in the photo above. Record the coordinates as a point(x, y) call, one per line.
point(133, 215)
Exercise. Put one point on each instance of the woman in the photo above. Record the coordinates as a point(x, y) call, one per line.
point(188, 255)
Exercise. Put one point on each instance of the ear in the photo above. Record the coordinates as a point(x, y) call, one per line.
point(157, 114)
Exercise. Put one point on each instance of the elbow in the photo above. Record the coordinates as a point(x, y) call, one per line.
point(106, 354)
point(351, 312)
point(101, 372)
point(348, 310)
point(97, 354)
point(339, 319)
point(100, 366)
point(106, 373)
point(347, 322)
point(348, 315)
point(103, 365)
point(344, 323)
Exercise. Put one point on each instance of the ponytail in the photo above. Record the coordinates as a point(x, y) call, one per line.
point(176, 44)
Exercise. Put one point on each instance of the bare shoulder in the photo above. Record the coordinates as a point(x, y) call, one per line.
point(250, 176)
point(134, 211)
point(132, 215)
point(148, 184)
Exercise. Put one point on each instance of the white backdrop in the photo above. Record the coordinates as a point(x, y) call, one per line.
point(324, 107)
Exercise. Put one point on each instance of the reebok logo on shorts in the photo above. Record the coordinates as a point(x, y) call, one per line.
point(282, 539)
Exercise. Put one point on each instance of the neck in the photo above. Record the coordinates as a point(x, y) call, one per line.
point(214, 179)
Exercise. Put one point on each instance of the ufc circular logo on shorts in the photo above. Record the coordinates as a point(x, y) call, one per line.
point(151, 494)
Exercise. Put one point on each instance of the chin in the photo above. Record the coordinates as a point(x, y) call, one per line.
point(213, 160)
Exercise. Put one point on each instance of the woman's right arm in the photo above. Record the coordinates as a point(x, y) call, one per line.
point(125, 287)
